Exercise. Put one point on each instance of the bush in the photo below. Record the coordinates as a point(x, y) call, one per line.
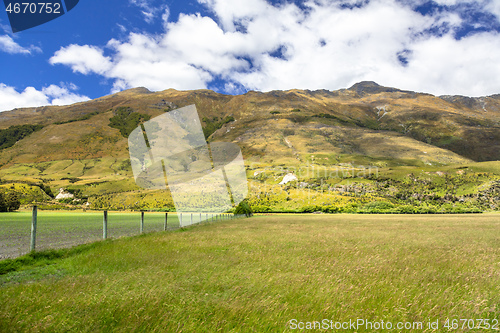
point(85, 117)
point(377, 207)
point(47, 190)
point(212, 125)
point(312, 209)
point(126, 120)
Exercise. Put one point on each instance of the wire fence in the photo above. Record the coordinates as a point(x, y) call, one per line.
point(36, 231)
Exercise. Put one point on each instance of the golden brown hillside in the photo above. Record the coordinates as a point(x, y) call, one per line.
point(349, 149)
point(365, 120)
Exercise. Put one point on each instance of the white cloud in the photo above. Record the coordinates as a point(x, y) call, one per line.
point(494, 7)
point(82, 59)
point(7, 44)
point(254, 44)
point(121, 28)
point(444, 65)
point(10, 98)
point(149, 9)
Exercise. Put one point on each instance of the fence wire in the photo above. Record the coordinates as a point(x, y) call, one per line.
point(62, 230)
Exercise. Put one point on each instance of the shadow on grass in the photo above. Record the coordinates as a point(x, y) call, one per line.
point(46, 257)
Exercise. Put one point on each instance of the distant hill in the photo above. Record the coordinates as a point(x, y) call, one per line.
point(366, 124)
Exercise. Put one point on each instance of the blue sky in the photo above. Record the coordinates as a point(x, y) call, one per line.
point(232, 46)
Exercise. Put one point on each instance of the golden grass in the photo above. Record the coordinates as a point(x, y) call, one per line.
point(255, 275)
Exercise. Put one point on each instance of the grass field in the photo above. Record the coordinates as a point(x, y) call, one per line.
point(258, 274)
point(64, 229)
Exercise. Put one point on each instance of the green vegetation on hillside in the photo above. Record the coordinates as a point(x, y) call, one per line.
point(9, 136)
point(358, 189)
point(126, 120)
point(27, 193)
point(400, 134)
point(326, 183)
point(85, 117)
point(212, 125)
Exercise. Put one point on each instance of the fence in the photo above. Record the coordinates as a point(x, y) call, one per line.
point(49, 230)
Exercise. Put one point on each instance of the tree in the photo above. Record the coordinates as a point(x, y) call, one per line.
point(47, 190)
point(12, 202)
point(243, 208)
point(3, 205)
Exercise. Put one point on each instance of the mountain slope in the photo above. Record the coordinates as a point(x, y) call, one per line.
point(468, 127)
point(365, 126)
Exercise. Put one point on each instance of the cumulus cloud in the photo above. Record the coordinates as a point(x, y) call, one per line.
point(319, 45)
point(10, 98)
point(7, 44)
point(82, 59)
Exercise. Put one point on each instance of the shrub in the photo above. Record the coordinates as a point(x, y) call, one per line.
point(85, 117)
point(378, 206)
point(47, 190)
point(126, 120)
point(212, 125)
point(9, 136)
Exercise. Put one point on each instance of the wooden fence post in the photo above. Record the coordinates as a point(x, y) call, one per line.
point(142, 222)
point(33, 228)
point(166, 219)
point(105, 225)
point(180, 219)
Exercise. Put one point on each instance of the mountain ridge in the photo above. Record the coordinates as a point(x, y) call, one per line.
point(467, 126)
point(352, 150)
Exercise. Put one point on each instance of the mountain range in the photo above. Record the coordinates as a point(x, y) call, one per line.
point(84, 146)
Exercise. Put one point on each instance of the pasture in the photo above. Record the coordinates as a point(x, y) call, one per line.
point(58, 229)
point(266, 273)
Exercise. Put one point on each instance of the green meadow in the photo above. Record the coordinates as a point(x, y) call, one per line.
point(58, 229)
point(263, 274)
